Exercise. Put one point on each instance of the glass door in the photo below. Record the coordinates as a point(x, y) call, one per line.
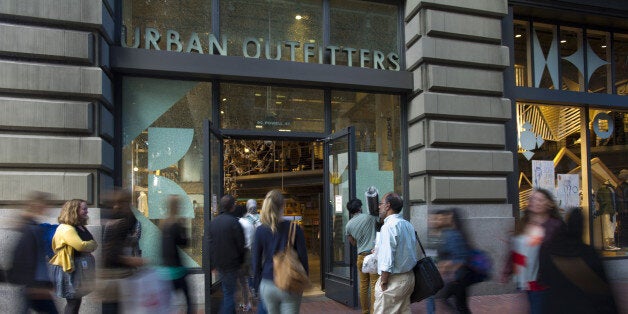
point(339, 270)
point(213, 190)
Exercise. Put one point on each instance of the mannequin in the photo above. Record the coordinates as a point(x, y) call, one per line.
point(608, 205)
point(142, 203)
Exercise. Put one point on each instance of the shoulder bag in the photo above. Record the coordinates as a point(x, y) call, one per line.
point(289, 273)
point(427, 278)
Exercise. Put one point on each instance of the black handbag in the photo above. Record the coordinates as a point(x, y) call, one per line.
point(427, 278)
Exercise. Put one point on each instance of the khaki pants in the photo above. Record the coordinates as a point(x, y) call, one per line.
point(396, 299)
point(367, 281)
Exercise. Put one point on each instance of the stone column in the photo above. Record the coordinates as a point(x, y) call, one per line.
point(456, 118)
point(56, 110)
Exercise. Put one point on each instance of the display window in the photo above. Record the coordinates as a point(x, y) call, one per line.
point(581, 156)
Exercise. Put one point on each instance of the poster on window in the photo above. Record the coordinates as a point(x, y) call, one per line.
point(568, 190)
point(543, 174)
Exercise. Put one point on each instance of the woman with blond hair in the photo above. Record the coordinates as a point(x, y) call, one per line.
point(72, 244)
point(270, 238)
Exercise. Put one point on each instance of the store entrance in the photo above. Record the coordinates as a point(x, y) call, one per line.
point(252, 167)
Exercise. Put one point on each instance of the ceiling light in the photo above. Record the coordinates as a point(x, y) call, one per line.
point(518, 36)
point(224, 99)
point(563, 41)
point(298, 17)
point(603, 46)
point(258, 95)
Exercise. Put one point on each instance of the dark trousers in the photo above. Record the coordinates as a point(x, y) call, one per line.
point(181, 284)
point(458, 289)
point(73, 306)
point(41, 306)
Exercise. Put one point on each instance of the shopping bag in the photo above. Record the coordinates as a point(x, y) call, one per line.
point(79, 282)
point(427, 278)
point(369, 264)
point(145, 292)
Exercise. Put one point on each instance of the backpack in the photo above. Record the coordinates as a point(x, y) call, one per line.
point(48, 231)
point(481, 264)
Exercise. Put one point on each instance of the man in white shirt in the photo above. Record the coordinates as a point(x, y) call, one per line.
point(396, 257)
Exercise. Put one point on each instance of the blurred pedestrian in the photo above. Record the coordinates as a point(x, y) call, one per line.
point(270, 238)
point(540, 222)
point(30, 266)
point(574, 273)
point(453, 253)
point(226, 243)
point(360, 231)
point(72, 241)
point(245, 272)
point(431, 250)
point(396, 257)
point(173, 237)
point(118, 262)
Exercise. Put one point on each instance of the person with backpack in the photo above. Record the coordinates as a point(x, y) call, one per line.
point(271, 238)
point(30, 265)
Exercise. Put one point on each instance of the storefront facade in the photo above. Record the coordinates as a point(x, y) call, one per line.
point(449, 103)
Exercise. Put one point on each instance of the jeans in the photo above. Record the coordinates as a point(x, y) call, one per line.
point(278, 301)
point(430, 305)
point(458, 289)
point(181, 284)
point(72, 306)
point(229, 285)
point(536, 299)
point(367, 281)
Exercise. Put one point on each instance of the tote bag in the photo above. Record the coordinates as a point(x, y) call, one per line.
point(289, 274)
point(79, 282)
point(427, 278)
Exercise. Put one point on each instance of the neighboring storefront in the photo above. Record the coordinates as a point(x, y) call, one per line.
point(448, 103)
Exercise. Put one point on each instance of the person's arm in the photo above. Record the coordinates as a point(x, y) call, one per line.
point(71, 238)
point(239, 240)
point(352, 240)
point(384, 280)
point(257, 259)
point(299, 242)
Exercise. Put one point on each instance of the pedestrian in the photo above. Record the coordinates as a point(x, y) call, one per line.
point(30, 265)
point(574, 273)
point(173, 237)
point(226, 247)
point(396, 257)
point(270, 238)
point(453, 253)
point(431, 250)
point(360, 231)
point(71, 240)
point(540, 222)
point(245, 272)
point(118, 261)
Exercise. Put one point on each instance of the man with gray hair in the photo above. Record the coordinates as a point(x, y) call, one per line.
point(252, 216)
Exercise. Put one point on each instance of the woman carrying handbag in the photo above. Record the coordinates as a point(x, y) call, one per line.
point(73, 265)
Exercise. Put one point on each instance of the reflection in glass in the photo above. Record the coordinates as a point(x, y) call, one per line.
point(598, 67)
point(572, 59)
point(270, 108)
point(376, 118)
point(339, 196)
point(274, 25)
point(521, 33)
point(159, 111)
point(364, 25)
point(620, 55)
point(185, 18)
point(609, 172)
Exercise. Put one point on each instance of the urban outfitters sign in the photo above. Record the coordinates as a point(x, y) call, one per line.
point(254, 48)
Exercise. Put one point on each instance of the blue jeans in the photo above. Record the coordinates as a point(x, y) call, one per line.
point(430, 305)
point(537, 300)
point(229, 284)
point(278, 301)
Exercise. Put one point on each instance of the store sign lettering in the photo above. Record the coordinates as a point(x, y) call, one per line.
point(311, 52)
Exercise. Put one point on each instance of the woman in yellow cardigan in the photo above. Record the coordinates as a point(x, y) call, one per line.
point(71, 241)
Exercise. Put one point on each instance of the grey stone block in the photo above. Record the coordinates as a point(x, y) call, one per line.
point(428, 49)
point(45, 115)
point(479, 108)
point(473, 189)
point(464, 26)
point(26, 150)
point(15, 185)
point(87, 12)
point(467, 161)
point(106, 123)
point(457, 79)
point(416, 186)
point(448, 133)
point(45, 43)
point(416, 135)
point(35, 78)
point(481, 7)
point(413, 30)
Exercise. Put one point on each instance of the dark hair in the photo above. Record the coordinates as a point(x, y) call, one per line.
point(240, 210)
point(227, 203)
point(395, 201)
point(354, 206)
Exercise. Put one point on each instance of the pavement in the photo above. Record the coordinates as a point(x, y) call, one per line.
point(515, 303)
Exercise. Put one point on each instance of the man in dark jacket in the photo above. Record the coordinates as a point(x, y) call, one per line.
point(226, 247)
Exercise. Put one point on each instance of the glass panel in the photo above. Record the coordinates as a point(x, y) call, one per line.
point(522, 53)
point(550, 146)
point(365, 25)
point(185, 17)
point(270, 108)
point(339, 196)
point(215, 184)
point(620, 55)
point(609, 172)
point(572, 61)
point(376, 118)
point(598, 67)
point(545, 56)
point(273, 25)
point(169, 115)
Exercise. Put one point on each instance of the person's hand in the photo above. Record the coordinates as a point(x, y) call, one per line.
point(384, 286)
